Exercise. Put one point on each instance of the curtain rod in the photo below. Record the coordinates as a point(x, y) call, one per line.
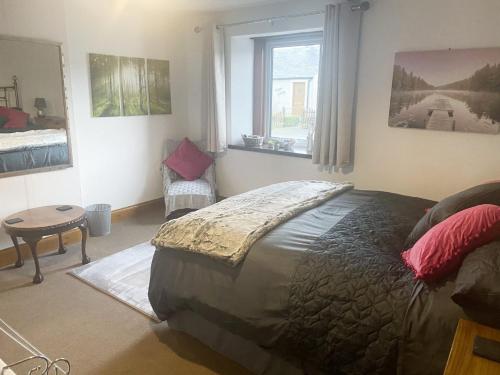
point(271, 19)
point(365, 5)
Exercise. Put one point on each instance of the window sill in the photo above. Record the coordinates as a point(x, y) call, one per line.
point(297, 153)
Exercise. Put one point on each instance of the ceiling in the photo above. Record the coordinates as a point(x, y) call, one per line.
point(215, 5)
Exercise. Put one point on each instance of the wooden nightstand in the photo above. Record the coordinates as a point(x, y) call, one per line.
point(462, 360)
point(50, 122)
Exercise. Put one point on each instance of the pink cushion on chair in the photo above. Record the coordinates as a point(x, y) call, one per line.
point(15, 119)
point(441, 250)
point(188, 161)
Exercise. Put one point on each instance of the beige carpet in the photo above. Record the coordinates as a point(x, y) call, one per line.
point(63, 317)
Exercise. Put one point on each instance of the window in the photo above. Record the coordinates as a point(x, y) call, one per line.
point(290, 87)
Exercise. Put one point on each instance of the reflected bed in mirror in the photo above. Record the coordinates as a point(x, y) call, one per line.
point(34, 133)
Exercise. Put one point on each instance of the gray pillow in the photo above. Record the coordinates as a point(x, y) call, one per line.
point(478, 281)
point(482, 194)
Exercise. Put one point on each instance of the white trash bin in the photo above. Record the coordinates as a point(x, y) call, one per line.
point(99, 219)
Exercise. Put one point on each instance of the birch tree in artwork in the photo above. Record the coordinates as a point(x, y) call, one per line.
point(133, 86)
point(105, 85)
point(159, 86)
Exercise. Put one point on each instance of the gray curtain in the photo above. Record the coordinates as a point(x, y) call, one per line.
point(337, 87)
point(259, 127)
point(216, 131)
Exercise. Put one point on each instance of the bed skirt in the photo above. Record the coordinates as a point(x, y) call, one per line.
point(244, 352)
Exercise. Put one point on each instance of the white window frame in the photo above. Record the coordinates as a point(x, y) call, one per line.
point(289, 40)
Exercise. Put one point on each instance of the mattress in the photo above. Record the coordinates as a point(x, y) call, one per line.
point(33, 149)
point(30, 139)
point(365, 315)
point(198, 283)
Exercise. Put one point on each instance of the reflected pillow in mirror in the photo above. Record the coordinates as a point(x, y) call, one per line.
point(15, 119)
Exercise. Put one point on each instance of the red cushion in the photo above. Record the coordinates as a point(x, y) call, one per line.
point(441, 250)
point(15, 119)
point(188, 161)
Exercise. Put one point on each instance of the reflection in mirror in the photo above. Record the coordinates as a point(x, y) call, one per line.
point(33, 123)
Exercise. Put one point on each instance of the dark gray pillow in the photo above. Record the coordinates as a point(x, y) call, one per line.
point(482, 194)
point(478, 281)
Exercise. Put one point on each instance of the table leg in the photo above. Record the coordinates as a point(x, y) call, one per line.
point(20, 261)
point(32, 242)
point(62, 249)
point(83, 229)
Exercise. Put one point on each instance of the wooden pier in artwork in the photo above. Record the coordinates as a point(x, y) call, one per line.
point(441, 116)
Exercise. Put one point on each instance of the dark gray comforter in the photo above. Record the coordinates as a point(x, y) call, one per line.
point(350, 290)
point(326, 290)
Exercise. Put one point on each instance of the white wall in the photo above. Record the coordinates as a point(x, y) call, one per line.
point(120, 156)
point(195, 60)
point(416, 162)
point(117, 160)
point(240, 55)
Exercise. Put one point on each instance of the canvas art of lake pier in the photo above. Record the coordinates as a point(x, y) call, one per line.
point(449, 90)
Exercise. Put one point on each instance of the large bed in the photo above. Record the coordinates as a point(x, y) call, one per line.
point(29, 145)
point(323, 292)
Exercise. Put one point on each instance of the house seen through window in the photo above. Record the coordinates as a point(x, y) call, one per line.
point(291, 87)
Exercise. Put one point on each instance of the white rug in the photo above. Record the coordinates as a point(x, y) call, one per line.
point(124, 276)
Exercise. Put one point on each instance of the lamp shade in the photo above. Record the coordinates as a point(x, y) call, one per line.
point(40, 103)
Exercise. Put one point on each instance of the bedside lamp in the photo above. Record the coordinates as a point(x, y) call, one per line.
point(40, 105)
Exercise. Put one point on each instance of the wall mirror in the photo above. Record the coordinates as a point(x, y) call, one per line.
point(34, 134)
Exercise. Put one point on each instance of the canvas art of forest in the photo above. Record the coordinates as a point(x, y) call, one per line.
point(133, 84)
point(159, 87)
point(105, 85)
point(451, 90)
point(127, 86)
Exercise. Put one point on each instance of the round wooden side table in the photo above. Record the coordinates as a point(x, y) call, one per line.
point(44, 221)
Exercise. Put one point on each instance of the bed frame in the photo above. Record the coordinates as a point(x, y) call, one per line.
point(5, 97)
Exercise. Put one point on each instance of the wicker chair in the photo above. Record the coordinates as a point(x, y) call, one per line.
point(181, 194)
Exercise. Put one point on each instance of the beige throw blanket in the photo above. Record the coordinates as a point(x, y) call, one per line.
point(227, 230)
point(32, 138)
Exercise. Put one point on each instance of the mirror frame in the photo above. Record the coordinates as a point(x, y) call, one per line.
point(59, 46)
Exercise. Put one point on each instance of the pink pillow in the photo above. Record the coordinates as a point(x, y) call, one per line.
point(189, 162)
point(441, 250)
point(15, 119)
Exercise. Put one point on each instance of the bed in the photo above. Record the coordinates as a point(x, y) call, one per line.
point(324, 292)
point(32, 148)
